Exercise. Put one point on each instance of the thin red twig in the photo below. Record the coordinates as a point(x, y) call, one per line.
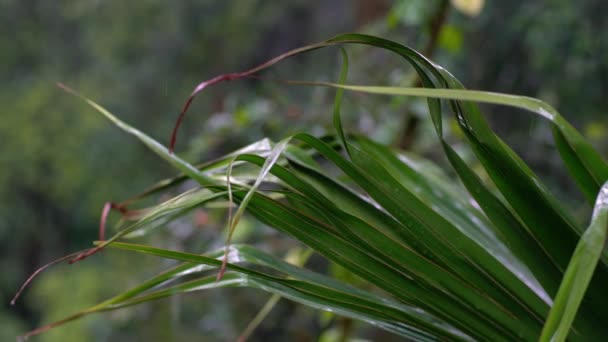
point(102, 230)
point(199, 88)
point(31, 277)
point(234, 76)
point(77, 256)
point(102, 222)
point(104, 215)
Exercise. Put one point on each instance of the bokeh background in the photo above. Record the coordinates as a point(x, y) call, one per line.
point(60, 161)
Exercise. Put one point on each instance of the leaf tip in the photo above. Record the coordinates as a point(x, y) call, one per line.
point(65, 88)
point(38, 271)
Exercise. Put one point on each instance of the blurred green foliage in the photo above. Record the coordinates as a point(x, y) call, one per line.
point(60, 163)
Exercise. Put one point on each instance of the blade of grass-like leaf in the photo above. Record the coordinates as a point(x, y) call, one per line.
point(451, 205)
point(589, 158)
point(374, 241)
point(157, 148)
point(261, 148)
point(313, 233)
point(169, 210)
point(212, 283)
point(270, 161)
point(354, 204)
point(579, 273)
point(508, 226)
point(302, 156)
point(585, 180)
point(383, 245)
point(469, 177)
point(328, 247)
point(582, 160)
point(408, 330)
point(484, 264)
point(353, 38)
point(430, 227)
point(246, 254)
point(512, 231)
point(549, 216)
point(582, 324)
point(507, 170)
point(338, 101)
point(586, 155)
point(327, 293)
point(311, 298)
point(532, 202)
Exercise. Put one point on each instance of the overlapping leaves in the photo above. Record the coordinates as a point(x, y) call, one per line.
point(453, 264)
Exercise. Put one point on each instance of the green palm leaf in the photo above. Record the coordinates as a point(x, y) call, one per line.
point(470, 261)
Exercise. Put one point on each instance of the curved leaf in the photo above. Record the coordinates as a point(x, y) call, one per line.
point(579, 273)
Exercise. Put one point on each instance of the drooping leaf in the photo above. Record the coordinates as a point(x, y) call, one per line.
point(313, 290)
point(472, 275)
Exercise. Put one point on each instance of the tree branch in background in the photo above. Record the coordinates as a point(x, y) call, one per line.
point(412, 121)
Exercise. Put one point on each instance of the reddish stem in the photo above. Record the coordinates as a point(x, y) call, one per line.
point(220, 274)
point(85, 254)
point(199, 88)
point(234, 76)
point(102, 222)
point(104, 215)
point(31, 277)
point(75, 257)
point(102, 230)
